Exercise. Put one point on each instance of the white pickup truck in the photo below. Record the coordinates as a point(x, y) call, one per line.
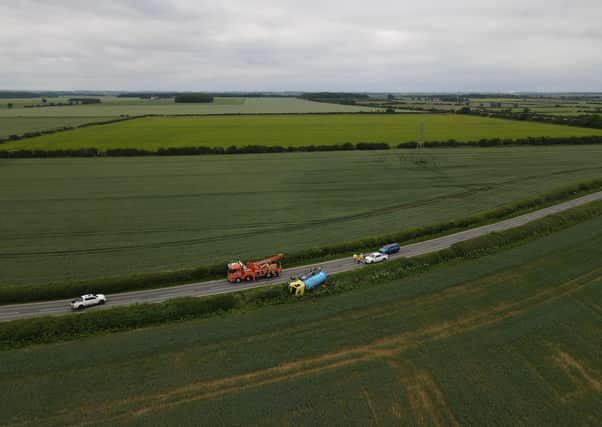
point(88, 301)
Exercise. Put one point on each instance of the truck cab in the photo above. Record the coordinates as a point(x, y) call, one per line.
point(296, 287)
point(238, 271)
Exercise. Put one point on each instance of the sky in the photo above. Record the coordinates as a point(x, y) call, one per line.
point(308, 45)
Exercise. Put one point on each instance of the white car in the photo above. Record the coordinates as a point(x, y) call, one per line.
point(88, 301)
point(375, 257)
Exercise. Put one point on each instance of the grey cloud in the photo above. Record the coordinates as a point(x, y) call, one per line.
point(301, 45)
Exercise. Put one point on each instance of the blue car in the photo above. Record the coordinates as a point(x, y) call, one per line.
point(391, 248)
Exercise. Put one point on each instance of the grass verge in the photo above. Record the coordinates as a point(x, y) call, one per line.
point(41, 292)
point(21, 333)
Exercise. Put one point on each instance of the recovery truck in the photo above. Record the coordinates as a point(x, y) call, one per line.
point(253, 270)
point(298, 285)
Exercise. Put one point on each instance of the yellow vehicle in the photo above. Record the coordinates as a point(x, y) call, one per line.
point(298, 286)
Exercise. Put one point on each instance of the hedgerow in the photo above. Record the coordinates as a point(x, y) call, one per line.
point(28, 293)
point(254, 149)
point(21, 333)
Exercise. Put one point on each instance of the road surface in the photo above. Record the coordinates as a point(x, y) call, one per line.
point(214, 287)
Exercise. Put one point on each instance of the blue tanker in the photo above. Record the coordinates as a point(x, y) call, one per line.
point(306, 282)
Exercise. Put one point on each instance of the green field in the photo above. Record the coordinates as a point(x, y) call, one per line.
point(19, 120)
point(542, 105)
point(20, 125)
point(507, 339)
point(154, 133)
point(69, 219)
point(136, 107)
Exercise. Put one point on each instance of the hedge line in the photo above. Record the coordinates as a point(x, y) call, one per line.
point(20, 333)
point(248, 149)
point(430, 231)
point(123, 117)
point(497, 142)
point(28, 293)
point(187, 151)
point(473, 248)
point(584, 120)
point(33, 134)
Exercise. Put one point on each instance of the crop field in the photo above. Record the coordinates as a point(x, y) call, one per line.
point(156, 132)
point(508, 339)
point(112, 106)
point(20, 125)
point(20, 119)
point(542, 105)
point(68, 219)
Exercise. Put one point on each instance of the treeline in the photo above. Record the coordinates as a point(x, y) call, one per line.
point(497, 142)
point(346, 98)
point(84, 100)
point(187, 151)
point(193, 97)
point(149, 95)
point(27, 293)
point(21, 333)
point(70, 101)
point(33, 134)
point(45, 94)
point(254, 149)
point(586, 120)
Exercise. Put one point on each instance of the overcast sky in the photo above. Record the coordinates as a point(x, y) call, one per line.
point(367, 45)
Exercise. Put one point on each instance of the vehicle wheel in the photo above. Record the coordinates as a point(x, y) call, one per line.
point(268, 275)
point(248, 278)
point(237, 280)
point(101, 302)
point(81, 307)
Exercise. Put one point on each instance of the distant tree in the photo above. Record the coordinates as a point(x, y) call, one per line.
point(44, 100)
point(193, 97)
point(526, 110)
point(390, 110)
point(390, 97)
point(9, 105)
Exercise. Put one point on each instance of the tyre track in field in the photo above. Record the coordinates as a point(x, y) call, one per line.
point(380, 350)
point(472, 190)
point(222, 286)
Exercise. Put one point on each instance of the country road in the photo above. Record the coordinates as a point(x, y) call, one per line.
point(57, 307)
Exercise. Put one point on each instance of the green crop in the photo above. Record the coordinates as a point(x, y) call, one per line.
point(19, 120)
point(162, 132)
point(72, 219)
point(508, 339)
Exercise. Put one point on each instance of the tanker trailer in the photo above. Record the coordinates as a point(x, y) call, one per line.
point(308, 281)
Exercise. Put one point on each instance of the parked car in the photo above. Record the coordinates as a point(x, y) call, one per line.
point(88, 301)
point(375, 257)
point(391, 248)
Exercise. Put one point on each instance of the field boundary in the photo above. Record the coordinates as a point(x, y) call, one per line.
point(125, 117)
point(21, 333)
point(50, 291)
point(256, 149)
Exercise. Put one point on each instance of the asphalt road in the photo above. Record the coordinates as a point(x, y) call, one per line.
point(214, 287)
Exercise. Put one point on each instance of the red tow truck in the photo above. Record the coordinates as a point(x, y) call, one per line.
point(253, 270)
